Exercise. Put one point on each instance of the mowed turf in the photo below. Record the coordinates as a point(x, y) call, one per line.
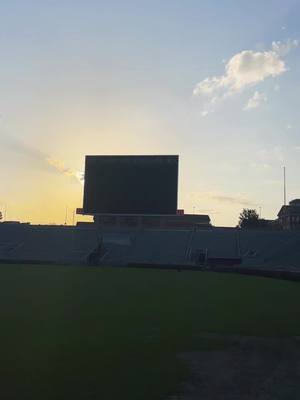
point(110, 333)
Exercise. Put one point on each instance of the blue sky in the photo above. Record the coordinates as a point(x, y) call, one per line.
point(120, 77)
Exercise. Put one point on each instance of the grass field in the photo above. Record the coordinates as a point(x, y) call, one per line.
point(100, 333)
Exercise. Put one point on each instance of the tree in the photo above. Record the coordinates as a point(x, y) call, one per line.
point(249, 219)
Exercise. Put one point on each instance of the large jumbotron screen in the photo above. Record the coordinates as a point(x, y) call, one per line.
point(130, 185)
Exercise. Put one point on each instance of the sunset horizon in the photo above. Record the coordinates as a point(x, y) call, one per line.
point(155, 79)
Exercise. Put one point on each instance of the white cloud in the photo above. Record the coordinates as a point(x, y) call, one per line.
point(283, 48)
point(245, 69)
point(238, 199)
point(255, 101)
point(41, 159)
point(59, 166)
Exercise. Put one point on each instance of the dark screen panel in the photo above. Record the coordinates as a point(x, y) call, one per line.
point(130, 184)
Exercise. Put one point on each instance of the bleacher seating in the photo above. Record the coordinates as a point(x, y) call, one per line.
point(58, 244)
point(64, 244)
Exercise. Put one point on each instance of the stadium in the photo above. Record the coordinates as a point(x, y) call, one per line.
point(133, 202)
point(149, 200)
point(99, 310)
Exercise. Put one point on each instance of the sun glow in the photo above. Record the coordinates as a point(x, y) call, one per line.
point(60, 167)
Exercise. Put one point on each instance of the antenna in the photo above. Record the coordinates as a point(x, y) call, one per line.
point(66, 215)
point(284, 187)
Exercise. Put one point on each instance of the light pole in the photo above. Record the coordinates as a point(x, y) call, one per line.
point(284, 187)
point(66, 215)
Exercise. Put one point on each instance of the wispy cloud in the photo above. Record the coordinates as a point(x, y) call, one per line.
point(42, 159)
point(260, 165)
point(245, 69)
point(274, 155)
point(273, 182)
point(255, 101)
point(283, 48)
point(60, 166)
point(237, 199)
point(17, 146)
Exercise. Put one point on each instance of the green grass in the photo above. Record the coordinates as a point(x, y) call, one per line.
point(100, 333)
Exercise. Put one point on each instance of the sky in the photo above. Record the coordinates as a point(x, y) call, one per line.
point(216, 82)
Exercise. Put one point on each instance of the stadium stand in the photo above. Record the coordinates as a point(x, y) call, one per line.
point(267, 248)
point(218, 242)
point(85, 244)
point(251, 248)
point(42, 243)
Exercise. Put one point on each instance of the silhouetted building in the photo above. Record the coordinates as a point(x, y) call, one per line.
point(289, 216)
